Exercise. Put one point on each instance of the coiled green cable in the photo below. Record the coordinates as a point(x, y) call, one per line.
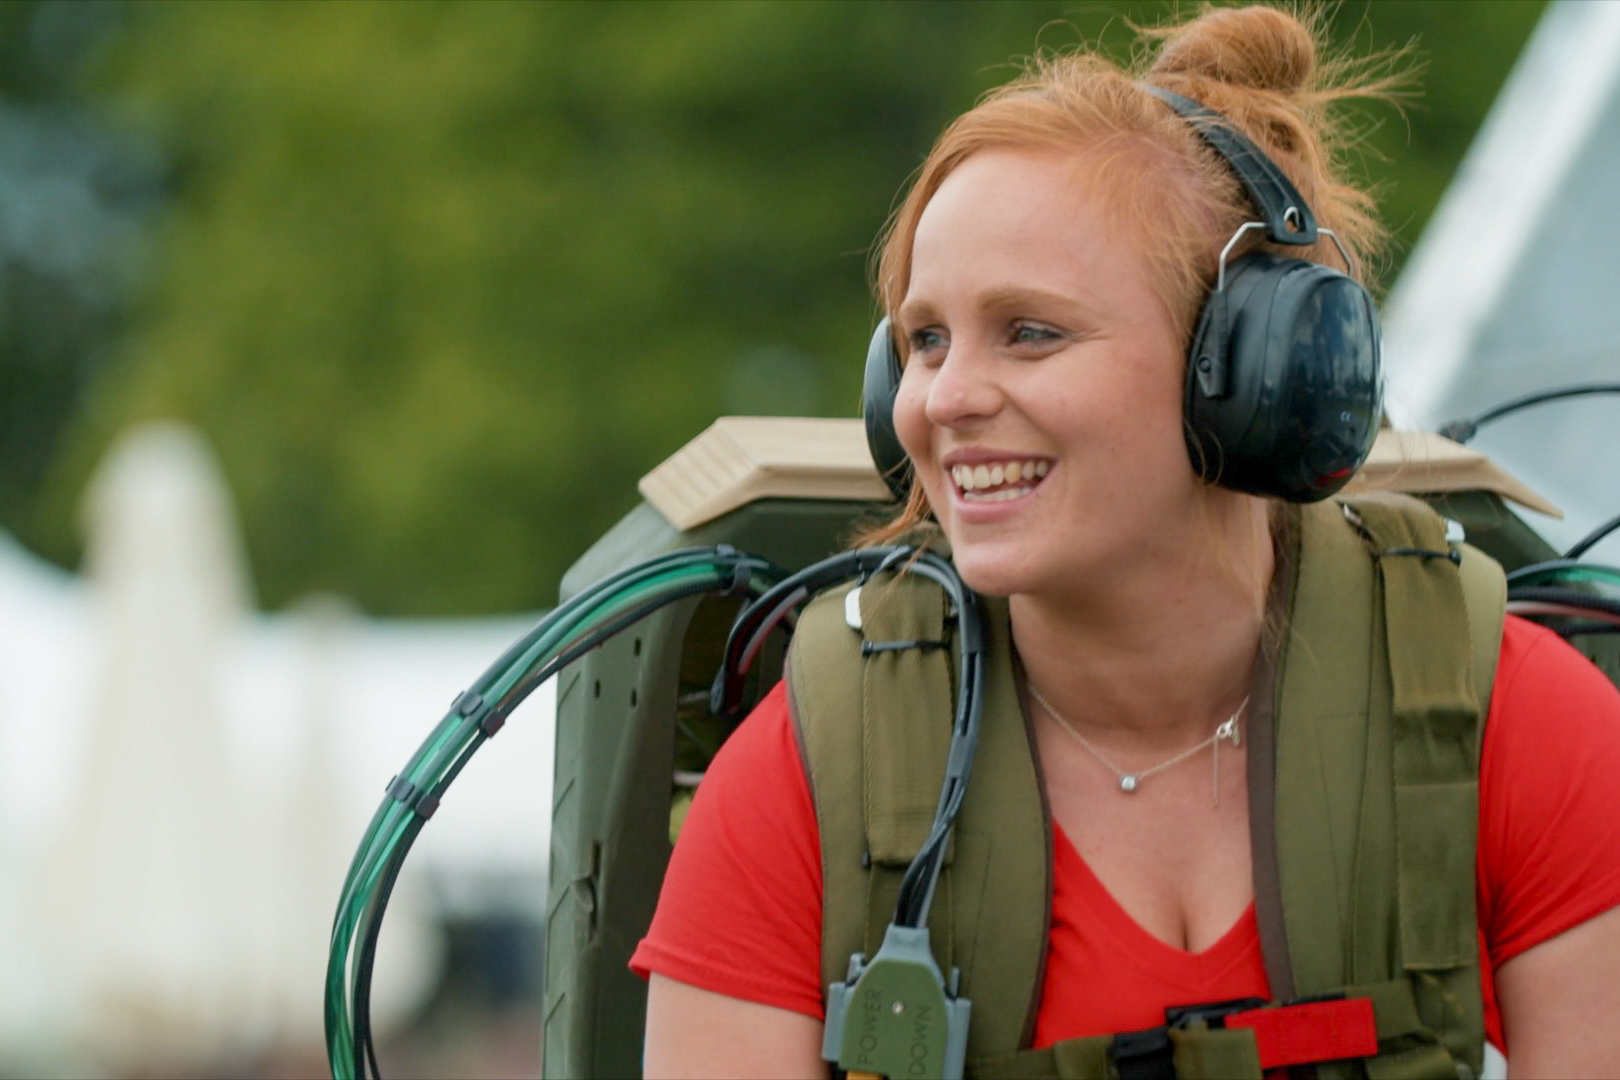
point(580, 624)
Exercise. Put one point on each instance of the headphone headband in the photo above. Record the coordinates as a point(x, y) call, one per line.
point(1283, 210)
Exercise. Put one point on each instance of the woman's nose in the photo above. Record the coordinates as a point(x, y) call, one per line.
point(962, 390)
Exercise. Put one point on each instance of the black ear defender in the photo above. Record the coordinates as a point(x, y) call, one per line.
point(882, 382)
point(1284, 387)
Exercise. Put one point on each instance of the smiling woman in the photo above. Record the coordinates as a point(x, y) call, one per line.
point(1247, 795)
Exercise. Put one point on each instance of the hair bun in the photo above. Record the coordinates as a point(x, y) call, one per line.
point(1258, 47)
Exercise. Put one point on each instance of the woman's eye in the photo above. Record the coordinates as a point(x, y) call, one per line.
point(926, 340)
point(1031, 334)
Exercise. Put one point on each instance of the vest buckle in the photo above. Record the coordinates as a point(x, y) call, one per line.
point(1150, 1055)
point(1143, 1055)
point(1211, 1014)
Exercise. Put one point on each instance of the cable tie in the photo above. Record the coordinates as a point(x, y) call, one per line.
point(471, 703)
point(870, 647)
point(416, 800)
point(1453, 555)
point(491, 722)
point(741, 573)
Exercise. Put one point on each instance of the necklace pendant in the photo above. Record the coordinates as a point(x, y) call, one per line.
point(1127, 784)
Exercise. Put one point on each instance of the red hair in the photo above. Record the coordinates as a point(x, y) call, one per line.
point(1260, 67)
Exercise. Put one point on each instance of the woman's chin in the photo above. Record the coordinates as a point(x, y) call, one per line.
point(990, 573)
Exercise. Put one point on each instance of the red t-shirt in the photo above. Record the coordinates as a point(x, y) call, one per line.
point(740, 912)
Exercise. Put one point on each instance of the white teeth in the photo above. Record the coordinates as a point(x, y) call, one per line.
point(973, 478)
point(996, 496)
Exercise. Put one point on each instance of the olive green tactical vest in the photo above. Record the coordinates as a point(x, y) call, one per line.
point(1364, 748)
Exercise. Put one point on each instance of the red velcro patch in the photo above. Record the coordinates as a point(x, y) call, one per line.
point(1319, 1031)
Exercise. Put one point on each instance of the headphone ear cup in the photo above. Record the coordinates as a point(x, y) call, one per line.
point(1297, 409)
point(881, 384)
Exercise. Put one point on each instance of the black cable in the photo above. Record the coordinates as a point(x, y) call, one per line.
point(774, 618)
point(1551, 594)
point(1585, 543)
point(1587, 629)
point(366, 958)
point(765, 613)
point(721, 557)
point(922, 876)
point(759, 618)
point(372, 918)
point(365, 1048)
point(683, 559)
point(526, 685)
point(1558, 565)
point(1463, 430)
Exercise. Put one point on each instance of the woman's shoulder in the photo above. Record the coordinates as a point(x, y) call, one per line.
point(1554, 716)
point(1538, 673)
point(740, 910)
point(760, 762)
point(1548, 851)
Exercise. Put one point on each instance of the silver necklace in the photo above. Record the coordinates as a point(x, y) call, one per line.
point(1130, 781)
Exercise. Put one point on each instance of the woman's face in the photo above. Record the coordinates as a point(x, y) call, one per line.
point(1041, 401)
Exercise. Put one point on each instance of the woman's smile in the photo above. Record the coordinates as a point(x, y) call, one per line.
point(981, 479)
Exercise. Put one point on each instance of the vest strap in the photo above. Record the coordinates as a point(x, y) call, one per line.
point(1436, 734)
point(1316, 1031)
point(875, 748)
point(1235, 1039)
point(900, 672)
point(1387, 664)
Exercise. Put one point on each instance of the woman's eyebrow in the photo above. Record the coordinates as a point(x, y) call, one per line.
point(1019, 296)
point(916, 311)
point(913, 312)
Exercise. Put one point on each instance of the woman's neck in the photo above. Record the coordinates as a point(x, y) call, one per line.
point(1158, 654)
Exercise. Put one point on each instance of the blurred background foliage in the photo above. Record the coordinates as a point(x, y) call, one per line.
point(440, 281)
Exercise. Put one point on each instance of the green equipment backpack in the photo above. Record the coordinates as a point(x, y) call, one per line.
point(1364, 876)
point(633, 727)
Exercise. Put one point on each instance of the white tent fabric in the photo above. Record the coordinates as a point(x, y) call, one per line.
point(183, 783)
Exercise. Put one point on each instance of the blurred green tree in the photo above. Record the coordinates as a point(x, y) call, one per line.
point(441, 280)
point(74, 194)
